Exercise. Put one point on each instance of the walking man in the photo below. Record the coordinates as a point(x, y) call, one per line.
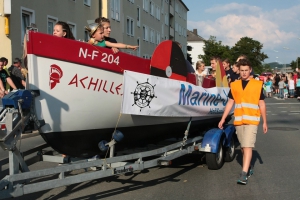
point(248, 96)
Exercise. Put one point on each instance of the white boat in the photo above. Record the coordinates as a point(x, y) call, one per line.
point(81, 91)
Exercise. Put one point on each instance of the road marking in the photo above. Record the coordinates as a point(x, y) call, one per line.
point(282, 103)
point(274, 114)
point(281, 107)
point(293, 113)
point(283, 111)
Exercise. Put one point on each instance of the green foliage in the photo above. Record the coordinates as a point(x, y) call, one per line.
point(246, 46)
point(294, 64)
point(252, 49)
point(212, 48)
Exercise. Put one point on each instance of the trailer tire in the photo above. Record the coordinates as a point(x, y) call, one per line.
point(230, 151)
point(215, 161)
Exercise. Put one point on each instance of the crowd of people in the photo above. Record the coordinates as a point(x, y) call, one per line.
point(12, 77)
point(281, 85)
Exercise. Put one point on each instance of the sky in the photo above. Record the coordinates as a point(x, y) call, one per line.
point(274, 23)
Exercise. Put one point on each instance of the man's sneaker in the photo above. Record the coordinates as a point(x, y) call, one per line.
point(243, 179)
point(251, 171)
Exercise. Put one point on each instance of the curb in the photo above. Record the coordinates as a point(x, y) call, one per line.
point(29, 135)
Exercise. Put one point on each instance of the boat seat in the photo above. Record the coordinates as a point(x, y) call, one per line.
point(191, 78)
point(208, 83)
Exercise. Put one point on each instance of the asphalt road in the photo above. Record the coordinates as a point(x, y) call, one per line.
point(276, 159)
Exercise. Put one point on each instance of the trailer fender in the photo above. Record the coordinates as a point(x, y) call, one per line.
point(229, 130)
point(211, 140)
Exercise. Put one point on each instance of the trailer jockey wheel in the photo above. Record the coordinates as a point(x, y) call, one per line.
point(215, 161)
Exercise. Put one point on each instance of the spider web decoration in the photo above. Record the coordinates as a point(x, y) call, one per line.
point(143, 95)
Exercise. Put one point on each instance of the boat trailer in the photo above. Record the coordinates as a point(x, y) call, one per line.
point(18, 107)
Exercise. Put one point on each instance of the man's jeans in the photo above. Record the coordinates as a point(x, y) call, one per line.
point(281, 93)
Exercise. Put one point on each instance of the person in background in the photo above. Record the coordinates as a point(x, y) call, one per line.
point(291, 84)
point(16, 74)
point(107, 30)
point(200, 68)
point(236, 73)
point(62, 29)
point(281, 86)
point(5, 78)
point(5, 62)
point(227, 68)
point(268, 85)
point(96, 32)
point(213, 74)
point(3, 92)
point(298, 85)
point(200, 72)
point(276, 81)
point(213, 62)
point(247, 112)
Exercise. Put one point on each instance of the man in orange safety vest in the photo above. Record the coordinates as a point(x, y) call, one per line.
point(248, 97)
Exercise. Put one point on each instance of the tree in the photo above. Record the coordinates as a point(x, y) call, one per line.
point(294, 65)
point(212, 47)
point(265, 68)
point(252, 49)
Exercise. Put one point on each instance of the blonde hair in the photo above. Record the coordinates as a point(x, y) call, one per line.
point(199, 63)
point(92, 28)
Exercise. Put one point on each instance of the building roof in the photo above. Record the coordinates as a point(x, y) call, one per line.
point(193, 36)
point(184, 5)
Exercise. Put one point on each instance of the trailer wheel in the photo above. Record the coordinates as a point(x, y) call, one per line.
point(230, 151)
point(215, 161)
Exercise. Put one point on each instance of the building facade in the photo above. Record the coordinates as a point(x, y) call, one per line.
point(45, 14)
point(137, 22)
point(146, 23)
point(196, 43)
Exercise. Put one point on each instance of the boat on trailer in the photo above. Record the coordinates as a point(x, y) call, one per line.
point(81, 90)
point(85, 100)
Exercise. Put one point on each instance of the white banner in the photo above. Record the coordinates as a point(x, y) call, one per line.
point(155, 96)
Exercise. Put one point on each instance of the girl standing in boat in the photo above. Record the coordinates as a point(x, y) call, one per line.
point(62, 29)
point(96, 32)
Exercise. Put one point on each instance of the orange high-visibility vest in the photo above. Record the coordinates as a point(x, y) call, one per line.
point(246, 102)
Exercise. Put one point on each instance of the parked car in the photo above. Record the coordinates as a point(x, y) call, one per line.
point(264, 75)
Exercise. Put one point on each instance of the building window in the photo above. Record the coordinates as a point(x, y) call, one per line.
point(115, 9)
point(130, 26)
point(151, 35)
point(151, 8)
point(51, 21)
point(157, 12)
point(145, 33)
point(138, 17)
point(176, 7)
point(86, 36)
point(72, 28)
point(146, 5)
point(139, 49)
point(27, 17)
point(157, 38)
point(87, 3)
point(166, 19)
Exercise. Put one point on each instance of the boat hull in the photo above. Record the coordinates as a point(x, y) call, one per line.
point(84, 143)
point(81, 89)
